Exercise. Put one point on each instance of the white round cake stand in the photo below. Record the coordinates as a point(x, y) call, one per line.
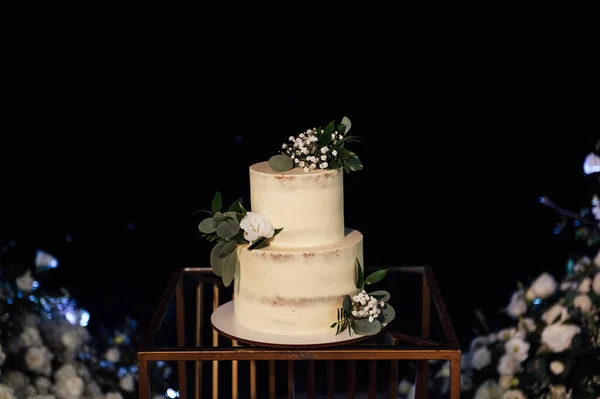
point(223, 321)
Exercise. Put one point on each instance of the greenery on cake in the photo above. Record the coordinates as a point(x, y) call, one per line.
point(365, 313)
point(319, 148)
point(236, 226)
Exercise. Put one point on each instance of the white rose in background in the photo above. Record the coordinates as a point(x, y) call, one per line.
point(25, 282)
point(114, 395)
point(543, 287)
point(256, 225)
point(517, 306)
point(558, 337)
point(481, 358)
point(38, 360)
point(596, 284)
point(585, 285)
point(518, 348)
point(127, 383)
point(591, 164)
point(6, 392)
point(508, 365)
point(514, 394)
point(112, 354)
point(69, 388)
point(557, 367)
point(583, 302)
point(488, 390)
point(556, 314)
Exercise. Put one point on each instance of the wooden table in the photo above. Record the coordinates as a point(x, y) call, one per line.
point(180, 329)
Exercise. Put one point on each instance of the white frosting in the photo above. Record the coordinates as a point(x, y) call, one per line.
point(309, 206)
point(296, 291)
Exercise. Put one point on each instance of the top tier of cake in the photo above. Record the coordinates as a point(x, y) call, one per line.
point(309, 206)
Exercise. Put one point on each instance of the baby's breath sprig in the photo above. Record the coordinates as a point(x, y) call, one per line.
point(319, 148)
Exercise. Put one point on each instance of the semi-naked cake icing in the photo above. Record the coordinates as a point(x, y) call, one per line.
point(296, 284)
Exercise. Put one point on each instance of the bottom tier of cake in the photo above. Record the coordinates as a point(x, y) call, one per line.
point(296, 291)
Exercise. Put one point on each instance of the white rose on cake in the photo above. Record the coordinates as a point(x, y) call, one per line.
point(255, 226)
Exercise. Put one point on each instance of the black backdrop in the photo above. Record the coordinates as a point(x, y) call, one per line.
point(450, 180)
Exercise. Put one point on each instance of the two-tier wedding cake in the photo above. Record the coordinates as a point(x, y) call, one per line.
point(296, 269)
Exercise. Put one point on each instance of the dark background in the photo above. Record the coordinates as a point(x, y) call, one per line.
point(452, 178)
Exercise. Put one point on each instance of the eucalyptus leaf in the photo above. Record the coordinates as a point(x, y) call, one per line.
point(387, 314)
point(365, 327)
point(216, 262)
point(376, 277)
point(228, 248)
point(206, 226)
point(217, 202)
point(228, 228)
point(217, 219)
point(239, 237)
point(354, 164)
point(231, 215)
point(281, 163)
point(230, 263)
point(381, 295)
point(242, 209)
point(347, 304)
point(235, 207)
point(259, 243)
point(360, 277)
point(346, 122)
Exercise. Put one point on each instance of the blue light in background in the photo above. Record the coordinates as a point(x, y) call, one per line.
point(35, 285)
point(576, 223)
point(171, 393)
point(238, 139)
point(537, 301)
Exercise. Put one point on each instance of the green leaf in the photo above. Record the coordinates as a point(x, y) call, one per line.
point(360, 277)
point(364, 327)
point(217, 219)
point(325, 138)
point(231, 215)
point(346, 122)
point(375, 277)
point(235, 207)
point(258, 243)
point(239, 237)
point(277, 231)
point(387, 314)
point(228, 228)
point(206, 226)
point(344, 152)
point(230, 263)
point(242, 209)
point(347, 139)
point(281, 163)
point(217, 202)
point(347, 304)
point(381, 295)
point(228, 248)
point(354, 164)
point(216, 262)
point(202, 210)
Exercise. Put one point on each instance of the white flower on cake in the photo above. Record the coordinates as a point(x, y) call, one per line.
point(255, 226)
point(365, 306)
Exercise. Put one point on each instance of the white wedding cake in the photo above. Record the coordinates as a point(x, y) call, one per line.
point(297, 283)
point(295, 268)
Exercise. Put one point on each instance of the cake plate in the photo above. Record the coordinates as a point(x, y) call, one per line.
point(223, 321)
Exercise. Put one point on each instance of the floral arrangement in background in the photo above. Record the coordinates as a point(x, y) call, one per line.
point(365, 313)
point(552, 350)
point(230, 229)
point(47, 350)
point(319, 148)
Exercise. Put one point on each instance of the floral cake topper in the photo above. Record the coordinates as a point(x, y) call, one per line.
point(319, 148)
point(229, 229)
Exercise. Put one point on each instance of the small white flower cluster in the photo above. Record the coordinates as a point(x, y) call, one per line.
point(305, 150)
point(365, 305)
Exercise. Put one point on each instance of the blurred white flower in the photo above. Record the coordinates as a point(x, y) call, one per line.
point(2, 356)
point(558, 337)
point(38, 360)
point(256, 225)
point(528, 324)
point(127, 383)
point(508, 365)
point(556, 314)
point(517, 306)
point(488, 390)
point(6, 392)
point(69, 388)
point(112, 354)
point(25, 282)
point(114, 395)
point(591, 164)
point(482, 357)
point(596, 284)
point(544, 286)
point(404, 387)
point(559, 392)
point(30, 336)
point(514, 394)
point(70, 340)
point(518, 348)
point(583, 302)
point(65, 372)
point(585, 285)
point(557, 367)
